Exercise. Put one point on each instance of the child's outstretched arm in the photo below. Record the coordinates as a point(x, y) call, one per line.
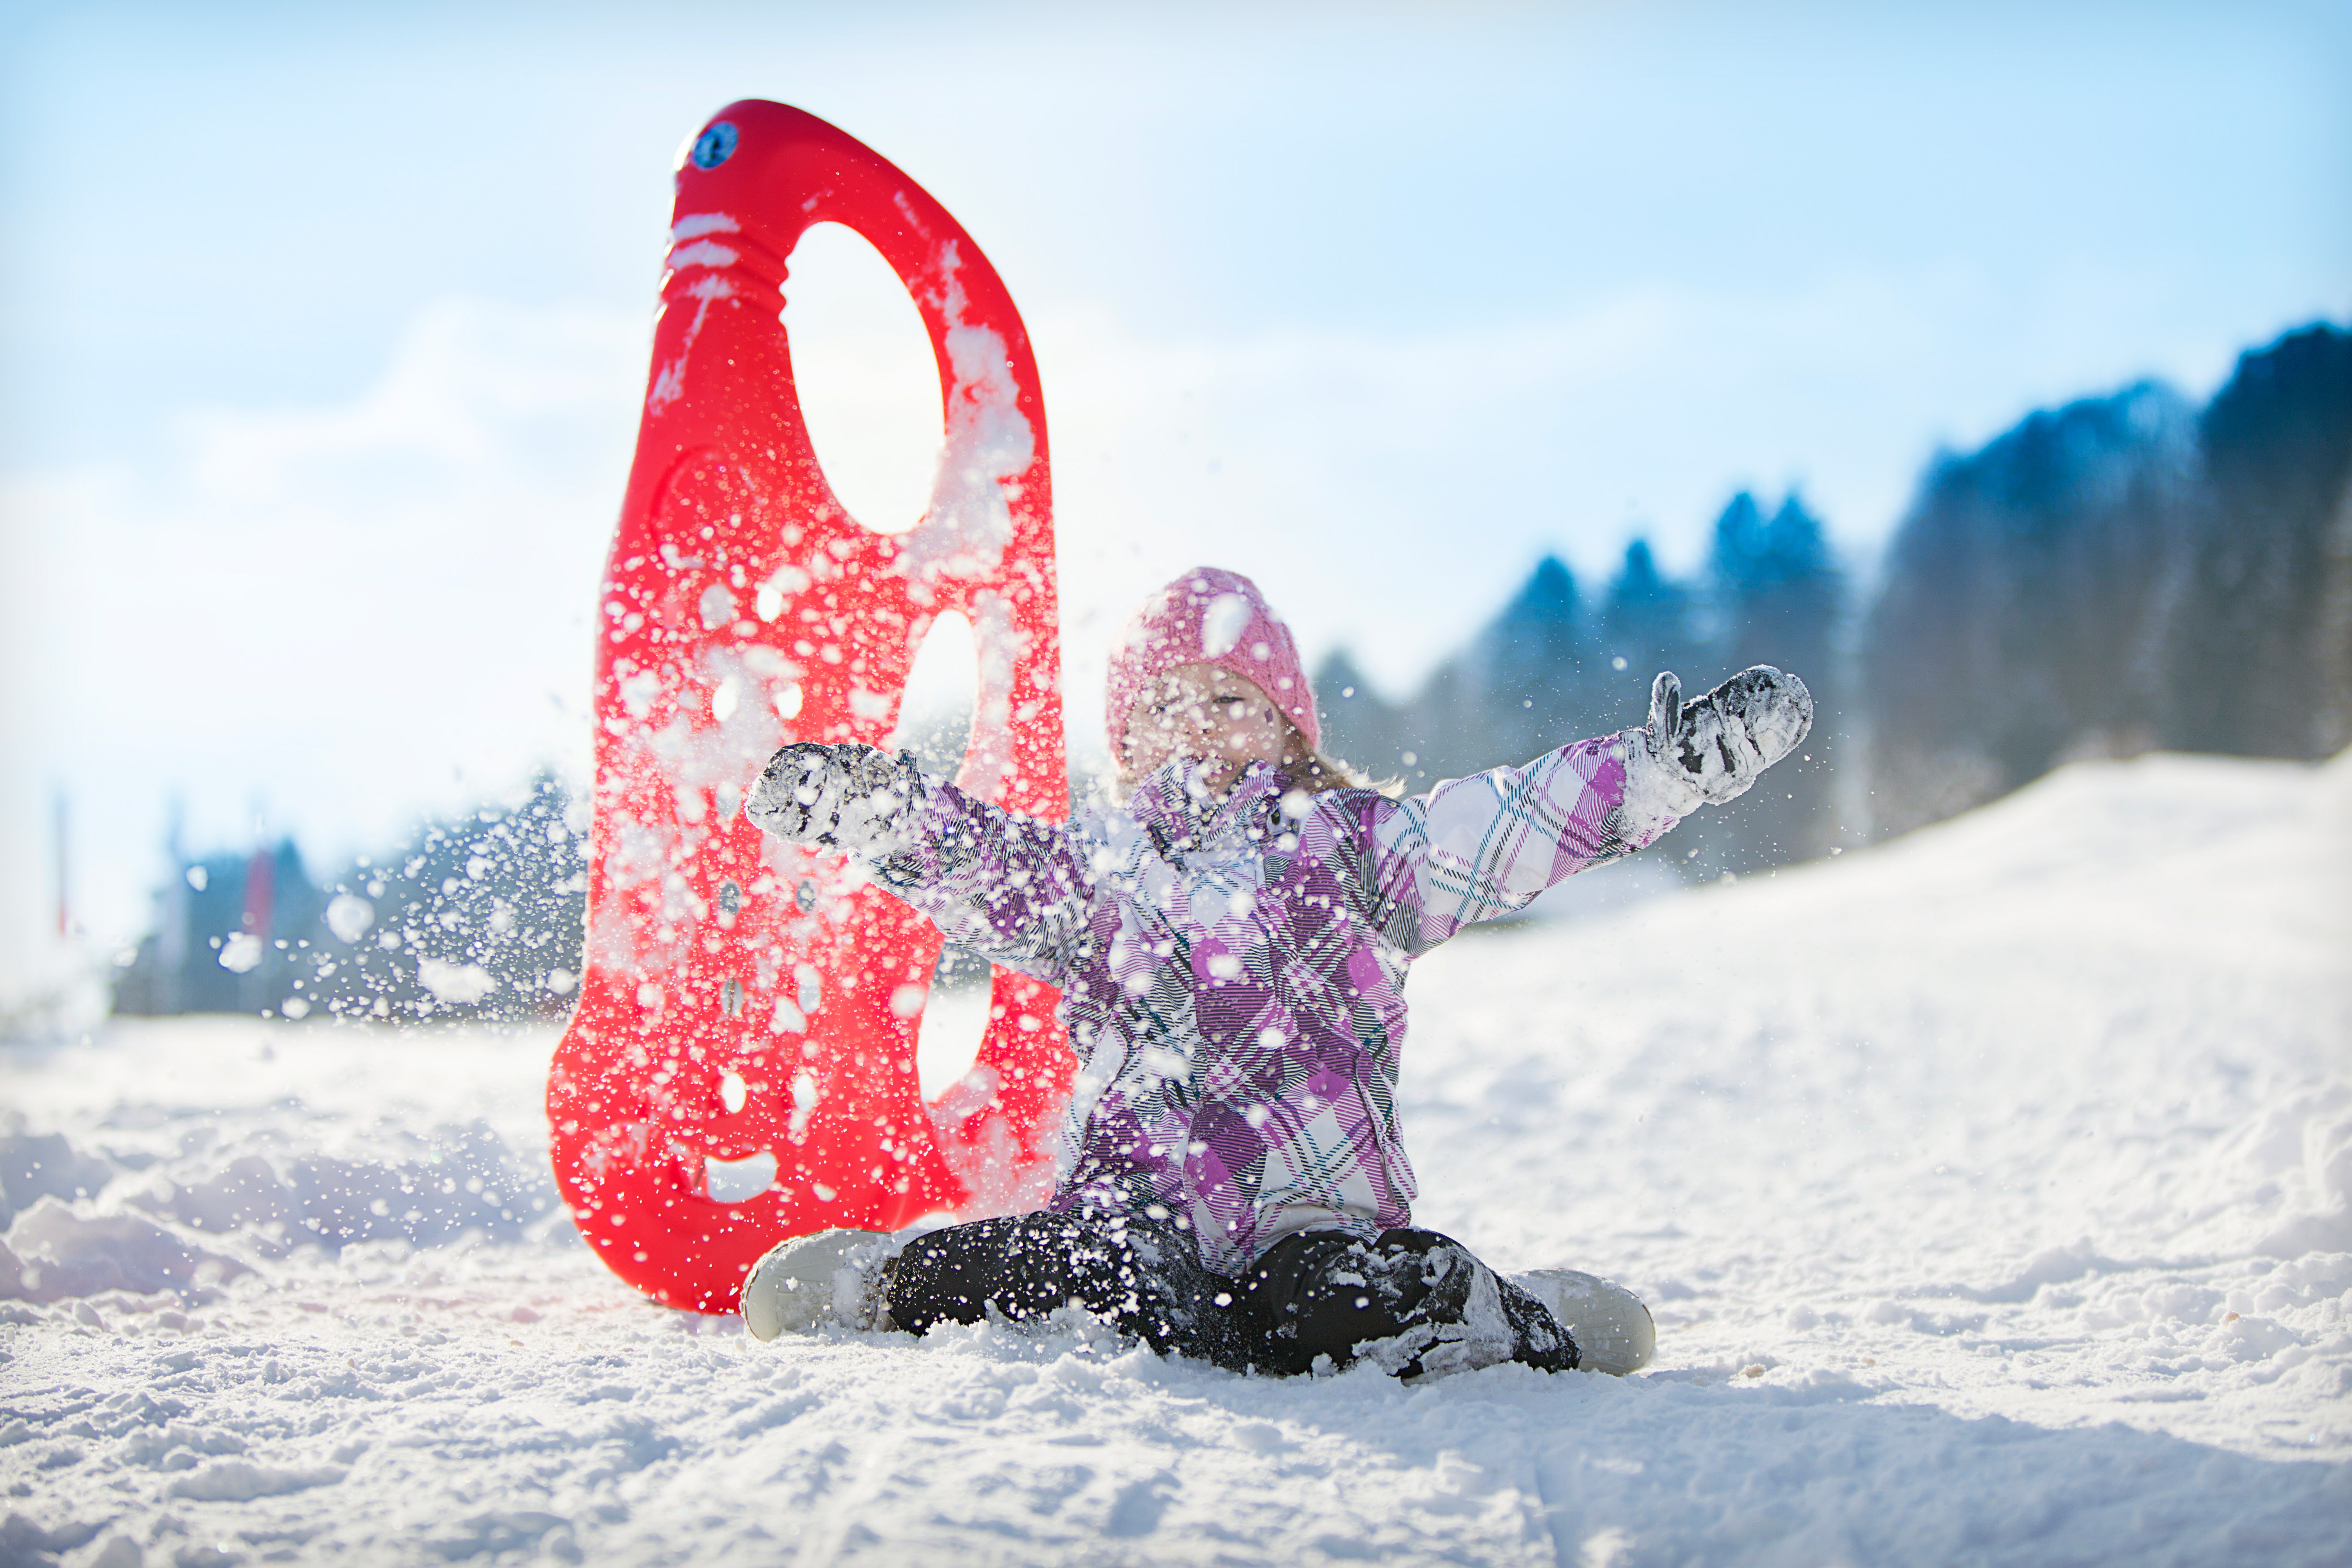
point(1010, 888)
point(1484, 846)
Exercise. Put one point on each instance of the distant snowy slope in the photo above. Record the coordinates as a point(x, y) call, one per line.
point(1992, 1187)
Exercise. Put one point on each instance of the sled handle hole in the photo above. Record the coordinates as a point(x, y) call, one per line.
point(936, 705)
point(954, 1022)
point(868, 382)
point(738, 1180)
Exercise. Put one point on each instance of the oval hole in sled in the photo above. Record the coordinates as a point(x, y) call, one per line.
point(935, 711)
point(955, 1017)
point(868, 382)
point(738, 1180)
point(935, 719)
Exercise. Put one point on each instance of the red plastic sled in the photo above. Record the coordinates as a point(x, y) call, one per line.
point(744, 996)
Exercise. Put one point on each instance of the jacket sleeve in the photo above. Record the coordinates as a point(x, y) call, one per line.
point(1012, 888)
point(1476, 847)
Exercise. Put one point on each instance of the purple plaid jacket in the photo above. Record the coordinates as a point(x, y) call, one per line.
point(1232, 971)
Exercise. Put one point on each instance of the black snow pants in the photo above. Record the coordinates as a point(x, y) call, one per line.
point(1413, 1301)
point(1143, 1278)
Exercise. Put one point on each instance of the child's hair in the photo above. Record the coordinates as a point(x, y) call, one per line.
point(1320, 771)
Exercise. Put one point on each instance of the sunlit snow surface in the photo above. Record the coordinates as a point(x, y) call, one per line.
point(1991, 1189)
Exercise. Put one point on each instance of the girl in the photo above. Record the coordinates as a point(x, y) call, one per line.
point(1231, 940)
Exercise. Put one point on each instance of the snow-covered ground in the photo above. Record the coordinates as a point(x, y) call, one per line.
point(1993, 1189)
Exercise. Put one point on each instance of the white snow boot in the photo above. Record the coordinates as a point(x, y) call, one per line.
point(1612, 1329)
point(833, 1276)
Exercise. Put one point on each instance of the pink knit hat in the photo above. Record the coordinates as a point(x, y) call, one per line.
point(1210, 616)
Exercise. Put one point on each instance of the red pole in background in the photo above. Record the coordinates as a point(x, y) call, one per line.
point(57, 826)
point(260, 893)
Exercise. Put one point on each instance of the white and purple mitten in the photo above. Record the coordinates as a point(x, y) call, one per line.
point(848, 797)
point(1712, 748)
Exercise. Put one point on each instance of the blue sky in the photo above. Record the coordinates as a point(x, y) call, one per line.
point(320, 337)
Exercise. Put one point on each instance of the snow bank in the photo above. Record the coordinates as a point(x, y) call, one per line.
point(1992, 1189)
point(53, 1253)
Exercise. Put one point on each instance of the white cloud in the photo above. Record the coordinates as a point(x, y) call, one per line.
point(343, 615)
point(474, 394)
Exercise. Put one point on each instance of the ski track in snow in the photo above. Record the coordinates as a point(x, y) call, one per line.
point(1992, 1190)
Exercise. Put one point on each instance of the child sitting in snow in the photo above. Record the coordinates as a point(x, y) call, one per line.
point(1231, 940)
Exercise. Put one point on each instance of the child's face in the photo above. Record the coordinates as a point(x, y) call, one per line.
point(1207, 715)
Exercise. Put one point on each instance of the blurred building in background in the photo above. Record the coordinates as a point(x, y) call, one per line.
point(477, 916)
point(228, 935)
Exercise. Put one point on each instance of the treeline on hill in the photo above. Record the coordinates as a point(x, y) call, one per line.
point(1552, 667)
point(2124, 573)
point(477, 916)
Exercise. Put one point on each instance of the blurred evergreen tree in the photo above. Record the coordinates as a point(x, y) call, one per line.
point(2025, 605)
point(1774, 596)
point(1646, 626)
point(1776, 589)
point(1508, 696)
point(2260, 661)
point(1524, 684)
point(2120, 574)
point(1358, 727)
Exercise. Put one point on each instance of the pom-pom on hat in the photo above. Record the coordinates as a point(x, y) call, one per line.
point(1209, 616)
